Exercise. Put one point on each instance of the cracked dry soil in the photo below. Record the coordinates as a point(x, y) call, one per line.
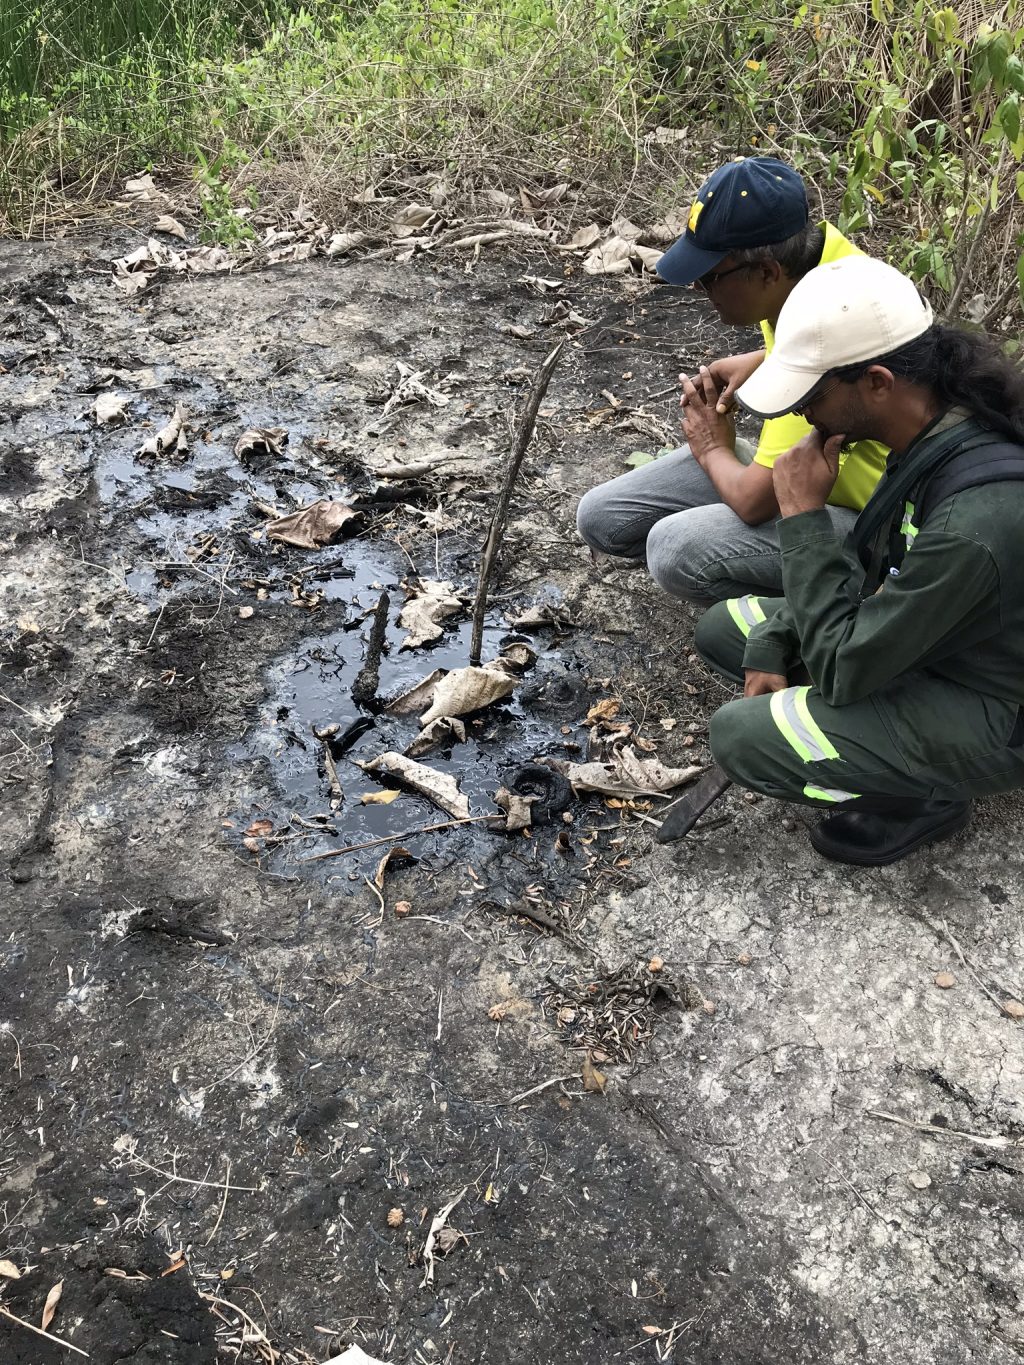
point(221, 1070)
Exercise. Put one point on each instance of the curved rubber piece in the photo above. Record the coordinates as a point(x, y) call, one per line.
point(554, 792)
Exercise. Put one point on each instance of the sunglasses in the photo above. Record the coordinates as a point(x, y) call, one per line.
point(713, 277)
point(820, 391)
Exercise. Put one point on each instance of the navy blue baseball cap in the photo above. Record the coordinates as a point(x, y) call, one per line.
point(755, 201)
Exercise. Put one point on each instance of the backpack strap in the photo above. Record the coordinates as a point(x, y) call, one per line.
point(1000, 462)
point(901, 502)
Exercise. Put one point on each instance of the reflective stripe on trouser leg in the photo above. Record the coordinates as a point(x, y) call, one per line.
point(798, 727)
point(830, 794)
point(746, 612)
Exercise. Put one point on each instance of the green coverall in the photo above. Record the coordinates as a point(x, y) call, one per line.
point(916, 690)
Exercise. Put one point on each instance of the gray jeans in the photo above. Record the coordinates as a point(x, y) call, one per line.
point(669, 514)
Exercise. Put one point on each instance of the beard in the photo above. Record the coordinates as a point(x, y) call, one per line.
point(850, 438)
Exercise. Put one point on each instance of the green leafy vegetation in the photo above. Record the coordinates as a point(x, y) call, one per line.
point(906, 117)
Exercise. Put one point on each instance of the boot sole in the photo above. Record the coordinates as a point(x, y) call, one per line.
point(836, 854)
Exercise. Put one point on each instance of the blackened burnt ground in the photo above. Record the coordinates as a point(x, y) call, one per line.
point(222, 1069)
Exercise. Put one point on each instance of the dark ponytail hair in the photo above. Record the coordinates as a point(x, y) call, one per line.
point(964, 369)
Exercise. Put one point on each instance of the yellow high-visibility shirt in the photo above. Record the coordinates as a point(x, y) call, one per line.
point(861, 466)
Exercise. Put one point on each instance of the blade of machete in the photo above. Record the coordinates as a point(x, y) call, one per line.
point(686, 812)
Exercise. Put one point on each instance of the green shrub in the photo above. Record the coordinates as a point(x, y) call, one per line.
point(907, 117)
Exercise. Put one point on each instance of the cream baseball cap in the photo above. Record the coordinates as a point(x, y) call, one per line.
point(839, 314)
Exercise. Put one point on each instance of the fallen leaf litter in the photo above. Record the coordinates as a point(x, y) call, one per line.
point(612, 1017)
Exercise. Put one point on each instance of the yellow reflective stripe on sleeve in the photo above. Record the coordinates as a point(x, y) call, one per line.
point(745, 612)
point(798, 727)
point(908, 529)
point(829, 793)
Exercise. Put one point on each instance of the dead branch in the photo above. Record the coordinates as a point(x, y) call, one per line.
point(496, 531)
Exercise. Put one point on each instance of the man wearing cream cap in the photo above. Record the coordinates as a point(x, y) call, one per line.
point(886, 685)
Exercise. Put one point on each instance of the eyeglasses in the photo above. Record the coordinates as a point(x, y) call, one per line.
point(821, 390)
point(712, 278)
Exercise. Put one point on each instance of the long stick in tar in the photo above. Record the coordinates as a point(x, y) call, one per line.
point(496, 531)
point(364, 689)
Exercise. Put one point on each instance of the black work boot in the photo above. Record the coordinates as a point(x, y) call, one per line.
point(872, 837)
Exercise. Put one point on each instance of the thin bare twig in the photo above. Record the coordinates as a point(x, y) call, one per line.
point(184, 1180)
point(261, 1336)
point(555, 1080)
point(391, 838)
point(970, 970)
point(40, 1333)
point(997, 1141)
point(223, 1205)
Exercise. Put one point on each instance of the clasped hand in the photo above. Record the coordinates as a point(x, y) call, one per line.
point(704, 427)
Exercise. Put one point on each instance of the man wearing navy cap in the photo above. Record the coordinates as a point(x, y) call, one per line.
point(703, 516)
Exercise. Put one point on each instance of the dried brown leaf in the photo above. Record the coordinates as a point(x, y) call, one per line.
point(412, 218)
point(9, 1271)
point(344, 242)
point(517, 809)
point(261, 441)
point(626, 774)
point(536, 203)
point(447, 1239)
point(604, 710)
point(50, 1307)
point(142, 189)
point(383, 798)
point(393, 855)
point(170, 225)
point(259, 829)
point(441, 788)
point(444, 730)
point(417, 696)
point(465, 690)
point(434, 601)
point(585, 236)
point(594, 1081)
point(648, 257)
point(311, 527)
point(539, 616)
point(517, 657)
point(612, 257)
